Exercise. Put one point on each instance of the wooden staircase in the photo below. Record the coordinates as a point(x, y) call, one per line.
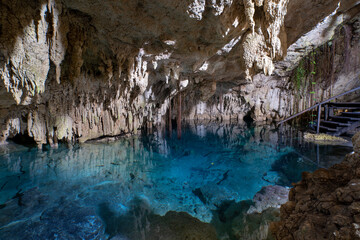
point(346, 120)
point(338, 118)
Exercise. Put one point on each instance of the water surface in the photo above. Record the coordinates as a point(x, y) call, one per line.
point(94, 190)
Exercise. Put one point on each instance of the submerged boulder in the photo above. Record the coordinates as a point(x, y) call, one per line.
point(31, 215)
point(323, 138)
point(269, 196)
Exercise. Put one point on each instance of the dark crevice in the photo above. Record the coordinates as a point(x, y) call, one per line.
point(2, 187)
point(37, 19)
point(19, 196)
point(24, 139)
point(197, 192)
point(249, 117)
point(225, 176)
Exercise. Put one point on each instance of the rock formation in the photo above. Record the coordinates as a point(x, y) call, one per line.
point(324, 204)
point(269, 196)
point(77, 70)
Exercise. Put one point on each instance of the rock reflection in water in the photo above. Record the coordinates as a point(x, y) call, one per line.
point(98, 182)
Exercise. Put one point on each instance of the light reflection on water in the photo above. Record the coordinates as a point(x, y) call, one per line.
point(212, 163)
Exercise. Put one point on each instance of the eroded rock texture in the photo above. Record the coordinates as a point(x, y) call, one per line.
point(324, 204)
point(77, 70)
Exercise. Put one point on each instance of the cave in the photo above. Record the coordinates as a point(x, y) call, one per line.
point(197, 119)
point(23, 139)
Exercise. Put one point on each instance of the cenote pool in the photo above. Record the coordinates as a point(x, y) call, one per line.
point(123, 189)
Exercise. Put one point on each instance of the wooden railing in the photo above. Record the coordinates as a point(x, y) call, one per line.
point(318, 105)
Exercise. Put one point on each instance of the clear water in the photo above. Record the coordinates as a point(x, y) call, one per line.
point(84, 192)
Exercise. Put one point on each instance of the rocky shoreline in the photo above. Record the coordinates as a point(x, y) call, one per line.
point(324, 204)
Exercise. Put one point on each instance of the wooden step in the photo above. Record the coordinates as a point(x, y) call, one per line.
point(328, 129)
point(344, 104)
point(343, 130)
point(348, 107)
point(340, 124)
point(351, 114)
point(345, 118)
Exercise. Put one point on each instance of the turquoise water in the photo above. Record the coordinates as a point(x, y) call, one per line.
point(83, 192)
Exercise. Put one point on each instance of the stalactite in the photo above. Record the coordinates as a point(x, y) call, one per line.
point(151, 127)
point(221, 103)
point(312, 79)
point(329, 68)
point(347, 30)
point(333, 50)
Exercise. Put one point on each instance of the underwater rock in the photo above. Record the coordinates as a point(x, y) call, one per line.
point(232, 221)
point(271, 177)
point(197, 192)
point(255, 226)
point(179, 226)
point(224, 177)
point(214, 194)
point(269, 197)
point(140, 222)
point(70, 221)
point(251, 220)
point(34, 220)
point(323, 138)
point(30, 203)
point(324, 204)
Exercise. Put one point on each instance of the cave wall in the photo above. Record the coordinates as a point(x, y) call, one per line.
point(78, 70)
point(56, 84)
point(328, 66)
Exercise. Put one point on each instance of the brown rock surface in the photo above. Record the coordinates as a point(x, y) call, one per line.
point(356, 142)
point(324, 204)
point(179, 226)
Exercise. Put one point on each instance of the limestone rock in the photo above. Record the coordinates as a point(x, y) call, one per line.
point(325, 139)
point(269, 197)
point(356, 142)
point(69, 221)
point(78, 70)
point(324, 204)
